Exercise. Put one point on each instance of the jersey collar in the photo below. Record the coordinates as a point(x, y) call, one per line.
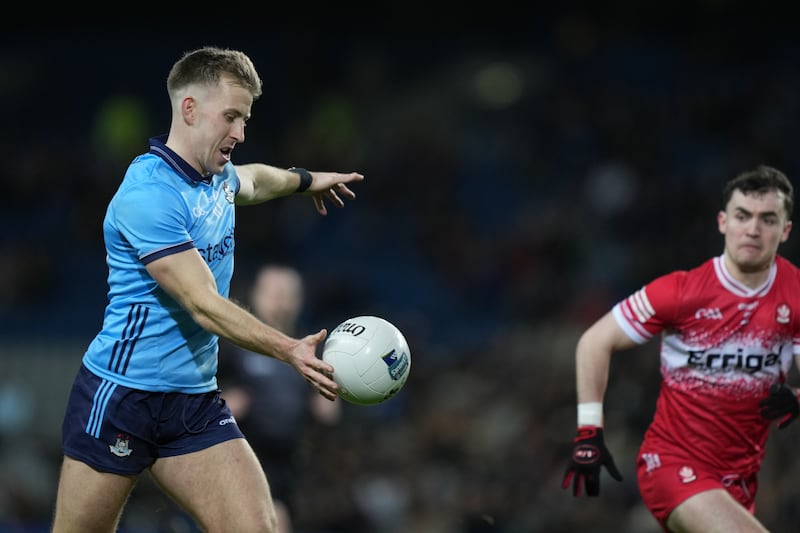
point(158, 147)
point(738, 288)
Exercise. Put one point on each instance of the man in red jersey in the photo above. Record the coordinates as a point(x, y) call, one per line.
point(729, 329)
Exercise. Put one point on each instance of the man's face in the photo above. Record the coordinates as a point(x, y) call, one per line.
point(278, 298)
point(219, 116)
point(754, 225)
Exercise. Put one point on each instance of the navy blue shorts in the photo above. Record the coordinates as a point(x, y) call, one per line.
point(121, 430)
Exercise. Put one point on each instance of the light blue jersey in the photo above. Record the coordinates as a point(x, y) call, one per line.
point(163, 206)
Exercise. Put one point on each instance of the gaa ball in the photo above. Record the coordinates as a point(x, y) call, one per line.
point(370, 357)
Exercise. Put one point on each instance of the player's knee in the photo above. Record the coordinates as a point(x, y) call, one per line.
point(256, 521)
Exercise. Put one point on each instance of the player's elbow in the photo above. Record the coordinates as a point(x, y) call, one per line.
point(204, 312)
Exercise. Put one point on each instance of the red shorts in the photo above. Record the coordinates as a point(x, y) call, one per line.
point(666, 480)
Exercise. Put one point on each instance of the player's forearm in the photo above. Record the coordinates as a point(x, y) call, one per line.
point(593, 357)
point(226, 319)
point(187, 279)
point(592, 363)
point(260, 182)
point(591, 371)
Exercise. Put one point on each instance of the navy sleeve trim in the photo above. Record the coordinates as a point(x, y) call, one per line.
point(163, 252)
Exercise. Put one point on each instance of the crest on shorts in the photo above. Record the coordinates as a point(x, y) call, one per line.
point(686, 473)
point(120, 448)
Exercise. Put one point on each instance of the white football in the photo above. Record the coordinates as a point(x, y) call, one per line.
point(370, 357)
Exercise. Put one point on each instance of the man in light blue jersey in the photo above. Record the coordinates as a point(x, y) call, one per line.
point(146, 394)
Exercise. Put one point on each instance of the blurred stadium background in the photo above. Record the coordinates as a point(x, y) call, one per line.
point(523, 174)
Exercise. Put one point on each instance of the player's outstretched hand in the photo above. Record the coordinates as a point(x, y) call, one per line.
point(333, 186)
point(315, 371)
point(780, 404)
point(589, 455)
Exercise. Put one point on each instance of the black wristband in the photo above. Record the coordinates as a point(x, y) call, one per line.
point(305, 178)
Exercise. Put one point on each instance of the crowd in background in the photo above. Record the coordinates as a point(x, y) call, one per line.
point(517, 185)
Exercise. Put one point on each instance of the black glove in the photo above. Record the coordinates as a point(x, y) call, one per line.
point(588, 455)
point(781, 403)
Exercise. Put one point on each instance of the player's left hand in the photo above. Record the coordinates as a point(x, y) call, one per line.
point(589, 455)
point(333, 186)
point(781, 404)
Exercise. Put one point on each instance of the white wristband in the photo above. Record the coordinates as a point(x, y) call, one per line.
point(590, 414)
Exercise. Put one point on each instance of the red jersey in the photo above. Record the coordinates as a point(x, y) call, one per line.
point(722, 346)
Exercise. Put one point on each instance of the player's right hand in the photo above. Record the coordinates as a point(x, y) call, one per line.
point(589, 455)
point(315, 370)
point(781, 404)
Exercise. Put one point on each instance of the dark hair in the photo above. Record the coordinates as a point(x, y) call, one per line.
point(208, 64)
point(760, 180)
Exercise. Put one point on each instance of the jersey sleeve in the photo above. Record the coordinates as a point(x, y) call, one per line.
point(154, 220)
point(795, 316)
point(651, 309)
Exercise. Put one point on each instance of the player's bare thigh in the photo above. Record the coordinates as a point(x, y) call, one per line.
point(223, 487)
point(89, 501)
point(713, 511)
